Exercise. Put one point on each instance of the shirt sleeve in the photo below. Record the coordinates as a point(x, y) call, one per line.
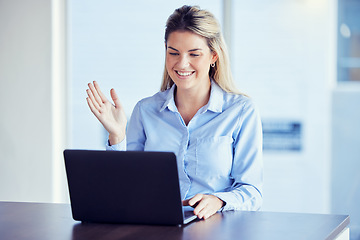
point(247, 171)
point(136, 136)
point(117, 147)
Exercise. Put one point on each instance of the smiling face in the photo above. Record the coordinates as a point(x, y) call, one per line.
point(188, 60)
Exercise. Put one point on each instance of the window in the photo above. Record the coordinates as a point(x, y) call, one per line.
point(122, 47)
point(348, 40)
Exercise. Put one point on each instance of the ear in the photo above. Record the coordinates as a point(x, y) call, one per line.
point(214, 57)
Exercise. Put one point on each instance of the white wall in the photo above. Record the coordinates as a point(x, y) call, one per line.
point(25, 101)
point(284, 57)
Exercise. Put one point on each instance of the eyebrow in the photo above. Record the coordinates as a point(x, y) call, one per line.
point(191, 50)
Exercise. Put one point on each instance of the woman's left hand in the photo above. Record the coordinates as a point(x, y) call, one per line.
point(204, 205)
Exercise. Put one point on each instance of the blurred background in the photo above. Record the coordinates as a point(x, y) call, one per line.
point(298, 59)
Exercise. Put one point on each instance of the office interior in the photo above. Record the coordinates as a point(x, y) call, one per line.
point(298, 60)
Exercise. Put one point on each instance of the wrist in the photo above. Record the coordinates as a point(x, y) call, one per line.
point(115, 139)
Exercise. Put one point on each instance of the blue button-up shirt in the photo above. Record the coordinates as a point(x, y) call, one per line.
point(219, 152)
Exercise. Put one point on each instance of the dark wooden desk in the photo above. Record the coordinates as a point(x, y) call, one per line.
point(53, 221)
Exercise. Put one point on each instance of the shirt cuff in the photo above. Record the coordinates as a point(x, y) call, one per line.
point(121, 146)
point(240, 200)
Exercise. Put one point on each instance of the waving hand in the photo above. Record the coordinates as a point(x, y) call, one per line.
point(111, 116)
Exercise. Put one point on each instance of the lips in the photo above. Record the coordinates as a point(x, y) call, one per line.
point(184, 73)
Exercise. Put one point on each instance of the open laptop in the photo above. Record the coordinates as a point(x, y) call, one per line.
point(125, 187)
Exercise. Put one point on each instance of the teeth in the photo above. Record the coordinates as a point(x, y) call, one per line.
point(184, 73)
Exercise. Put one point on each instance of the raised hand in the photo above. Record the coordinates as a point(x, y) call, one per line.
point(111, 116)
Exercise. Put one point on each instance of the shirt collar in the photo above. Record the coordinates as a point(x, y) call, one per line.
point(215, 102)
point(169, 100)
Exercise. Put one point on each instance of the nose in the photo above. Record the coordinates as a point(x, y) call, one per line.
point(183, 62)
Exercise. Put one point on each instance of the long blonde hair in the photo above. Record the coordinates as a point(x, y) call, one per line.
point(203, 23)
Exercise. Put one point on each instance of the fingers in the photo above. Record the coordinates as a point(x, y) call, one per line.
point(205, 205)
point(206, 212)
point(115, 98)
point(94, 94)
point(102, 97)
point(202, 208)
point(95, 107)
point(195, 200)
point(91, 105)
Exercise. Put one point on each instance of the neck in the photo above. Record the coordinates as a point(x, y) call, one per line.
point(190, 101)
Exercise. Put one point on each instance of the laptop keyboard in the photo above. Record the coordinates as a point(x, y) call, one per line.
point(188, 214)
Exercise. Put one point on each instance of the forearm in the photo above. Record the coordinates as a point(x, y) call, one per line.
point(115, 139)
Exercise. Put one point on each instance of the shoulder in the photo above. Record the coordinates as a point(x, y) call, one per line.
point(223, 101)
point(239, 101)
point(154, 102)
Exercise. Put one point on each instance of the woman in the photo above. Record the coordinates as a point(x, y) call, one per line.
point(214, 131)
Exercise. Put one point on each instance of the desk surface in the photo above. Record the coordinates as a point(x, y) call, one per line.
point(53, 221)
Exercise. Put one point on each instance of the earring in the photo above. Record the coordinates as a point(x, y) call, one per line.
point(212, 65)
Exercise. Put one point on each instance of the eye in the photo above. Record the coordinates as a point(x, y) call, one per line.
point(194, 55)
point(173, 53)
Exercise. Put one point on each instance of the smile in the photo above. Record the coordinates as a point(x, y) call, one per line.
point(184, 74)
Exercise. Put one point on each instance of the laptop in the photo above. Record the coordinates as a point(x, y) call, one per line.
point(132, 187)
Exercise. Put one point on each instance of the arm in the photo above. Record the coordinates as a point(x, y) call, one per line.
point(247, 170)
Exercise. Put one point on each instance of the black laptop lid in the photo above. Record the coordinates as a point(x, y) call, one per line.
point(124, 186)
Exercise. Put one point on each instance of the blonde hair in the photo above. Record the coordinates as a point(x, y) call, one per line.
point(203, 23)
